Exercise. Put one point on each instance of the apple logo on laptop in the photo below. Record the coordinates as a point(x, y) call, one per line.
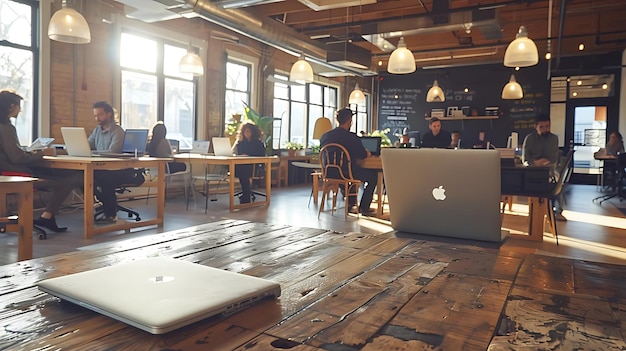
point(439, 193)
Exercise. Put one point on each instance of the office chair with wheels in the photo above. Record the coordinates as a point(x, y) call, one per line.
point(337, 173)
point(618, 179)
point(133, 178)
point(258, 176)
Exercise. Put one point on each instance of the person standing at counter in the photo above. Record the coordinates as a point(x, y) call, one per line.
point(436, 137)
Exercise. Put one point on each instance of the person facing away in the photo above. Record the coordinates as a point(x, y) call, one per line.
point(160, 147)
point(541, 149)
point(455, 139)
point(342, 135)
point(615, 144)
point(436, 137)
point(14, 159)
point(248, 144)
point(108, 136)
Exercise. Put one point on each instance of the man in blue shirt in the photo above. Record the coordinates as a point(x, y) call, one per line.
point(342, 135)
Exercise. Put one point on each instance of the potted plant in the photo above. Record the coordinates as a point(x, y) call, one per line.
point(233, 127)
point(293, 147)
point(385, 141)
point(265, 123)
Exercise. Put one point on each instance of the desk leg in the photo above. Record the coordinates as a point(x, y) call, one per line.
point(161, 194)
point(316, 186)
point(268, 182)
point(380, 186)
point(25, 222)
point(536, 213)
point(231, 177)
point(89, 201)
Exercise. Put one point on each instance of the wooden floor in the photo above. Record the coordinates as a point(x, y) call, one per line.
point(593, 232)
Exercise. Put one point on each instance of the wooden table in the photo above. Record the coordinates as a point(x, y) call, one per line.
point(339, 292)
point(90, 164)
point(231, 162)
point(23, 188)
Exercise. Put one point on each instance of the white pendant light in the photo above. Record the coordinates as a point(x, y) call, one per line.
point(69, 26)
point(301, 71)
point(356, 96)
point(521, 52)
point(191, 63)
point(435, 93)
point(401, 60)
point(512, 90)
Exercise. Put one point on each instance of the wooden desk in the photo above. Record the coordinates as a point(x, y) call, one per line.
point(231, 162)
point(23, 187)
point(349, 292)
point(376, 163)
point(90, 164)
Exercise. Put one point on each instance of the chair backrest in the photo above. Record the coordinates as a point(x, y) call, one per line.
point(563, 172)
point(336, 162)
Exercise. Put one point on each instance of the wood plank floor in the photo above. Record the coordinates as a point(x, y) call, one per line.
point(593, 232)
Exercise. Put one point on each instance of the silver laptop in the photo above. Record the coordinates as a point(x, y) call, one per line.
point(222, 147)
point(159, 295)
point(76, 141)
point(40, 144)
point(200, 147)
point(452, 193)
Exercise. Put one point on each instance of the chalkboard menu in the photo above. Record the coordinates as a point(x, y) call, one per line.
point(397, 107)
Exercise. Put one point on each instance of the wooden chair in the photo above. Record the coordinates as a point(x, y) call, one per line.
point(336, 173)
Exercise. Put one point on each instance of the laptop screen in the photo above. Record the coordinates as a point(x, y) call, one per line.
point(135, 139)
point(372, 144)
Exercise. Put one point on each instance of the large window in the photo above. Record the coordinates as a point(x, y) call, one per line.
point(18, 60)
point(360, 121)
point(153, 89)
point(237, 89)
point(298, 106)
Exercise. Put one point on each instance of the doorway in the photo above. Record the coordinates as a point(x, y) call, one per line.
point(590, 123)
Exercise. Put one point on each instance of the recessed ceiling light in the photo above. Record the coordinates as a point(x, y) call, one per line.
point(574, 94)
point(548, 55)
point(605, 86)
point(466, 90)
point(380, 63)
point(581, 47)
point(580, 82)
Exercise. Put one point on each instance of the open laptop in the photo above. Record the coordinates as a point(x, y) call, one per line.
point(200, 147)
point(372, 144)
point(160, 294)
point(134, 145)
point(40, 144)
point(76, 142)
point(452, 193)
point(221, 146)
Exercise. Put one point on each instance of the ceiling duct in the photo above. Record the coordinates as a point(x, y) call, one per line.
point(319, 5)
point(266, 31)
point(232, 4)
point(348, 55)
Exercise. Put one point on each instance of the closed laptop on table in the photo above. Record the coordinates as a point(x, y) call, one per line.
point(452, 193)
point(159, 295)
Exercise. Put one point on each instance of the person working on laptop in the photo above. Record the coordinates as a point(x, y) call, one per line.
point(160, 147)
point(436, 137)
point(455, 139)
point(541, 149)
point(342, 135)
point(107, 137)
point(248, 144)
point(15, 160)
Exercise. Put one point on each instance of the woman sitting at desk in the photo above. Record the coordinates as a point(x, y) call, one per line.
point(248, 144)
point(615, 144)
point(160, 147)
point(14, 159)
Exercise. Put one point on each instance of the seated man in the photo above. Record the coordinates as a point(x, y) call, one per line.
point(108, 137)
point(541, 149)
point(436, 137)
point(342, 135)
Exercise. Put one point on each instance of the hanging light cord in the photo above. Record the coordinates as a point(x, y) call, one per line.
point(549, 37)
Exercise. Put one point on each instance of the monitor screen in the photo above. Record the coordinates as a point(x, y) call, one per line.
point(372, 144)
point(414, 138)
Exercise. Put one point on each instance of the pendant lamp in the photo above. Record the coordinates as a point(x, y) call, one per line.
point(512, 90)
point(401, 60)
point(521, 52)
point(356, 96)
point(435, 93)
point(69, 26)
point(301, 71)
point(191, 63)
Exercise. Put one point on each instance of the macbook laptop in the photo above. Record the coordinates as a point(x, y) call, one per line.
point(76, 142)
point(452, 193)
point(160, 294)
point(200, 147)
point(222, 147)
point(134, 145)
point(372, 144)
